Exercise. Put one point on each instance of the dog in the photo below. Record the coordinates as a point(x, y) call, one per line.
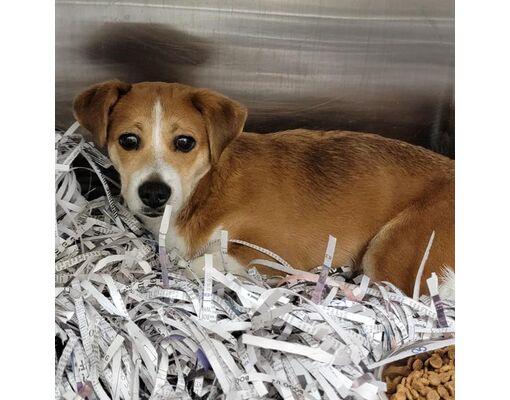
point(182, 146)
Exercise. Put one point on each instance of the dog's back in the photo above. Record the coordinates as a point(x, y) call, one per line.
point(381, 198)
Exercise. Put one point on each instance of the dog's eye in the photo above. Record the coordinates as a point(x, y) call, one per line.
point(184, 143)
point(129, 141)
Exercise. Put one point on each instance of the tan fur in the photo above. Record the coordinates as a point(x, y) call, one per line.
point(381, 198)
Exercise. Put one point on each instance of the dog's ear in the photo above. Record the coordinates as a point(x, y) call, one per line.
point(224, 119)
point(92, 107)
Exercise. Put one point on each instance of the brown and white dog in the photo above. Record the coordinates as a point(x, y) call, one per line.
point(286, 191)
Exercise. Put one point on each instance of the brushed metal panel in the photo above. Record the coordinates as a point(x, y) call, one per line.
point(383, 67)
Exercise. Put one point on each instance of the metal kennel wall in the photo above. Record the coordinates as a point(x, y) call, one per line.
point(376, 66)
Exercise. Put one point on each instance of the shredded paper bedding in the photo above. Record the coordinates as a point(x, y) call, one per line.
point(130, 324)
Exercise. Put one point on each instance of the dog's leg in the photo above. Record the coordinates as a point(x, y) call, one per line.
point(394, 254)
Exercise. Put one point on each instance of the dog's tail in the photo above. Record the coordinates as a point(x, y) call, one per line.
point(447, 285)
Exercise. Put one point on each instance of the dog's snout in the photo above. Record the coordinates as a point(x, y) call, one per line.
point(154, 194)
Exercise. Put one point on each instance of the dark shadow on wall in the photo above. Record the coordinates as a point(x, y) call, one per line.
point(131, 52)
point(146, 52)
point(442, 134)
point(425, 122)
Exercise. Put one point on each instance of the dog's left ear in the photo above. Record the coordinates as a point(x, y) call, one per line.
point(224, 119)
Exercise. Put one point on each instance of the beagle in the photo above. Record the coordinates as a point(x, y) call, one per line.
point(178, 145)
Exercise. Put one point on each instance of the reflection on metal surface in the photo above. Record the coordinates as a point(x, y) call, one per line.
point(383, 67)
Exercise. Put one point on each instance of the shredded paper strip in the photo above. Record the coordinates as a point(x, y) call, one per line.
point(125, 331)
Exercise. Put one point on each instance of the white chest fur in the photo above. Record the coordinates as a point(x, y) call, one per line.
point(173, 239)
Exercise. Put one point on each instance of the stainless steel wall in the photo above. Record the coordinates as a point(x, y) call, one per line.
point(376, 66)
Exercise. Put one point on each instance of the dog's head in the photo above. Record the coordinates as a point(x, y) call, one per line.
point(161, 137)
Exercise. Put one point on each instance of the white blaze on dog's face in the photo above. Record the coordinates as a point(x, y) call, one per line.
point(161, 137)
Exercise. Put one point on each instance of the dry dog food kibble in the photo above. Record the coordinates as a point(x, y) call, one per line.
point(427, 376)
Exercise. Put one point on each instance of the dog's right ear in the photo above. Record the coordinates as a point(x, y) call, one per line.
point(92, 107)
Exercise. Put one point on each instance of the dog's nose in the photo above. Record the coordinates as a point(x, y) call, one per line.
point(154, 194)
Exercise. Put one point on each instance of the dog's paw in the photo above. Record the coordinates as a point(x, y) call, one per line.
point(229, 264)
